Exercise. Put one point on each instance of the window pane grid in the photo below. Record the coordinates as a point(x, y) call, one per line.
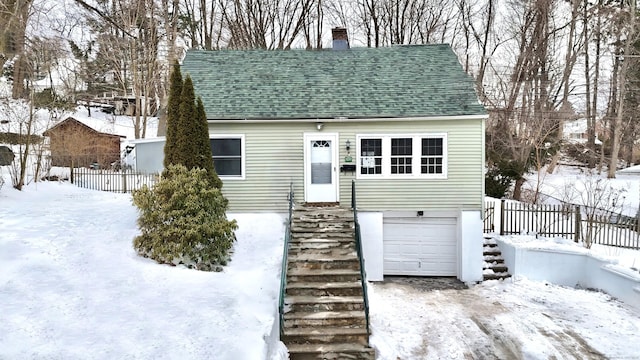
point(370, 156)
point(431, 165)
point(432, 156)
point(432, 147)
point(401, 151)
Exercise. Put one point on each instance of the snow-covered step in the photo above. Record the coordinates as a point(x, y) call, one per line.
point(320, 261)
point(331, 351)
point(324, 303)
point(302, 274)
point(493, 266)
point(325, 318)
point(496, 276)
point(351, 288)
point(326, 335)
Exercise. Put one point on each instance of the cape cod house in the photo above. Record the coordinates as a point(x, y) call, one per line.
point(403, 122)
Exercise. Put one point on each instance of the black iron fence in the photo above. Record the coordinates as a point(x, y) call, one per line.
point(123, 181)
point(579, 223)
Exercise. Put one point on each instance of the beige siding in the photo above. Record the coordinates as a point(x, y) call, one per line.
point(275, 158)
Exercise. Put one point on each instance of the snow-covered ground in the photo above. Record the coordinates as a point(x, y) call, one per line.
point(567, 183)
point(501, 320)
point(71, 287)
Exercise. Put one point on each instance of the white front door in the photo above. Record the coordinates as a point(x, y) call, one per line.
point(320, 164)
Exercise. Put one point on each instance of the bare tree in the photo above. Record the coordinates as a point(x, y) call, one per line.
point(573, 48)
point(265, 24)
point(14, 17)
point(202, 23)
point(523, 130)
point(625, 55)
point(24, 122)
point(129, 43)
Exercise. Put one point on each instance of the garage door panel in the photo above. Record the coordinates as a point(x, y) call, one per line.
point(399, 266)
point(420, 246)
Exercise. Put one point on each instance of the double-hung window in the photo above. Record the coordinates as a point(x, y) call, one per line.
point(228, 156)
point(432, 155)
point(402, 156)
point(371, 156)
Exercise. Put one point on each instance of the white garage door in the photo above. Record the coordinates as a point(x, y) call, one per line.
point(420, 246)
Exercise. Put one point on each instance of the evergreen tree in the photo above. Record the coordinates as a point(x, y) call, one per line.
point(187, 126)
point(173, 116)
point(204, 156)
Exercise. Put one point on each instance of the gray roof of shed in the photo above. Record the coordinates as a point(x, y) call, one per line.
point(398, 81)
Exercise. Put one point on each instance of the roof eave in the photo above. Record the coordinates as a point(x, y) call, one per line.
point(353, 120)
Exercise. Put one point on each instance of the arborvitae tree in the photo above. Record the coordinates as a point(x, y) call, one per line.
point(187, 126)
point(204, 146)
point(173, 116)
point(190, 146)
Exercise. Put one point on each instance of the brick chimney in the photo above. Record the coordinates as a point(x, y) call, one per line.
point(340, 38)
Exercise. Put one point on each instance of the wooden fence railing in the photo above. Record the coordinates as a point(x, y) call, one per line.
point(124, 181)
point(579, 223)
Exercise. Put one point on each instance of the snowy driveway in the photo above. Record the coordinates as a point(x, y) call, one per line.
point(495, 320)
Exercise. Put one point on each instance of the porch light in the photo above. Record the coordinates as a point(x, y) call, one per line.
point(319, 126)
point(348, 145)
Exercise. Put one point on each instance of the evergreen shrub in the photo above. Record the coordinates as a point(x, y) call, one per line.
point(183, 221)
point(496, 183)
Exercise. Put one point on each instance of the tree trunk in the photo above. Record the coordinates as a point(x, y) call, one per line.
point(517, 189)
point(568, 69)
point(617, 126)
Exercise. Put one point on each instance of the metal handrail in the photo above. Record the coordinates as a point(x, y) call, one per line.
point(363, 273)
point(285, 260)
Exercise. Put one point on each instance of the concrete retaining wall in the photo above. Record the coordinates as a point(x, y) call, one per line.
point(573, 269)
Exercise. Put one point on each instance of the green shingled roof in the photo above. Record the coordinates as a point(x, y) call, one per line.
point(398, 81)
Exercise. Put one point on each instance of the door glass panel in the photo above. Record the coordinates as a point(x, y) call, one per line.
point(321, 162)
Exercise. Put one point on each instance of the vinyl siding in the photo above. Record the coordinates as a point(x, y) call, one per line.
point(275, 158)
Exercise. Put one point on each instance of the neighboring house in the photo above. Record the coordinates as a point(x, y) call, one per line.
point(577, 131)
point(73, 143)
point(404, 122)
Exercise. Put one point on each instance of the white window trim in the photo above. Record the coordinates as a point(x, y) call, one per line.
point(416, 156)
point(242, 152)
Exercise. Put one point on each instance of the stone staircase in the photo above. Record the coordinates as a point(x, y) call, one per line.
point(494, 267)
point(325, 316)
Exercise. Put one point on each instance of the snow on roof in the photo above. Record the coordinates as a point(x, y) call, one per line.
point(112, 124)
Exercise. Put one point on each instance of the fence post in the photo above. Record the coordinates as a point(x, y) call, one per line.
point(636, 230)
point(578, 224)
point(502, 217)
point(124, 179)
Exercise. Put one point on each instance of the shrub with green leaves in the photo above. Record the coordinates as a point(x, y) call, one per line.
point(183, 221)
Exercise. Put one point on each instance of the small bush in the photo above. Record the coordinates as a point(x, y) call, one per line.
point(496, 184)
point(183, 221)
